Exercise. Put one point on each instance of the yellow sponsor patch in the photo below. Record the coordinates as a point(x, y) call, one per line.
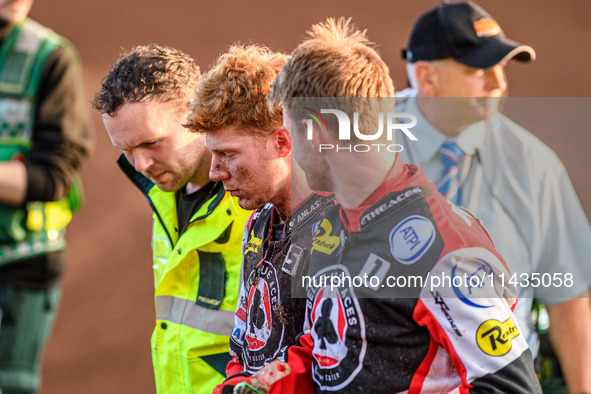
point(494, 337)
point(323, 241)
point(253, 244)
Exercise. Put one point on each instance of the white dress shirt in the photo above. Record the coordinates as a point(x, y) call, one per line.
point(519, 189)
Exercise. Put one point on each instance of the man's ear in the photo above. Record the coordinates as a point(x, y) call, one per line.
point(282, 141)
point(425, 78)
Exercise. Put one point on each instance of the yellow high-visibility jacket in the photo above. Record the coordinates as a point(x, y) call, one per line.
point(196, 279)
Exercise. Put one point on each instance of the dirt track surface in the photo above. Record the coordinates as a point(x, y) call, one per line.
point(101, 339)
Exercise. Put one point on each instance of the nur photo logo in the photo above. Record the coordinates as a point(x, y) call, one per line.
point(386, 123)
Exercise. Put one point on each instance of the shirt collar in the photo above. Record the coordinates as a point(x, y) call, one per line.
point(472, 139)
point(429, 138)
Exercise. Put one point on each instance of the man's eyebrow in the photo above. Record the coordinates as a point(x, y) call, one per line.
point(118, 147)
point(223, 148)
point(138, 145)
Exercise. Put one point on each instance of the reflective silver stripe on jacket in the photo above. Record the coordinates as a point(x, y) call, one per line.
point(187, 313)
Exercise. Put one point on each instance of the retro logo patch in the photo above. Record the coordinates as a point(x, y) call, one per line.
point(494, 337)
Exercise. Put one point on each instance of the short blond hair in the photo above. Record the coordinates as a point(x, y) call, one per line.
point(234, 91)
point(337, 60)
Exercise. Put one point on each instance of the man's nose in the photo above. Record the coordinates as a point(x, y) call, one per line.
point(495, 78)
point(217, 172)
point(142, 160)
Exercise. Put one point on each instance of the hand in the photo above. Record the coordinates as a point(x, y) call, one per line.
point(264, 378)
point(227, 386)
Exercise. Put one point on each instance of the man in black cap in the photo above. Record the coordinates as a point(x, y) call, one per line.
point(509, 179)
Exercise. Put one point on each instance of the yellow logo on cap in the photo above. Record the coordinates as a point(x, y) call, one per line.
point(494, 338)
point(487, 27)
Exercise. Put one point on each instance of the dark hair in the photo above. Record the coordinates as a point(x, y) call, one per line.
point(147, 72)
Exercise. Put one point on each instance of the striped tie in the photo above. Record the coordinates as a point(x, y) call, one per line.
point(448, 185)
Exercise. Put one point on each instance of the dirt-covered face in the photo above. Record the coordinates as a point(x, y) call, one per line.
point(251, 166)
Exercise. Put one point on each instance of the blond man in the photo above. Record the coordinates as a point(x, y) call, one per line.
point(384, 335)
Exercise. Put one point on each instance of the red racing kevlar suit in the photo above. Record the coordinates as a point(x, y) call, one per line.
point(267, 317)
point(412, 334)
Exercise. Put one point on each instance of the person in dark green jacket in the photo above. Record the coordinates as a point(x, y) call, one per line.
point(45, 134)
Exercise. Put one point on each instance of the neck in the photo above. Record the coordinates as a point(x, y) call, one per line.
point(300, 190)
point(193, 187)
point(197, 182)
point(293, 192)
point(201, 176)
point(282, 199)
point(355, 176)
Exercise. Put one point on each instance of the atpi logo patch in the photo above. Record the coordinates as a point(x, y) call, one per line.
point(411, 239)
point(494, 337)
point(474, 290)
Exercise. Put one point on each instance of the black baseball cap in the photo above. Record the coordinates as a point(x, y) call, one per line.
point(463, 32)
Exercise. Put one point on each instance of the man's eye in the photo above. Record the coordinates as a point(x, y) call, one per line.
point(478, 72)
point(150, 143)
